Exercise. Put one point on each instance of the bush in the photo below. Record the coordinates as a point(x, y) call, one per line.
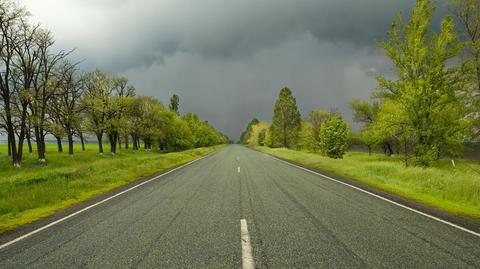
point(334, 135)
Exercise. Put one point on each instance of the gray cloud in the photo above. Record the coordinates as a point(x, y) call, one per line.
point(227, 60)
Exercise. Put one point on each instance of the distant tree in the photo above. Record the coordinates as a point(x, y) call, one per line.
point(366, 113)
point(261, 137)
point(245, 136)
point(67, 108)
point(174, 103)
point(306, 140)
point(316, 118)
point(334, 134)
point(286, 120)
point(98, 103)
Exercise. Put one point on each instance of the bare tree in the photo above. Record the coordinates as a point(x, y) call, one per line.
point(11, 16)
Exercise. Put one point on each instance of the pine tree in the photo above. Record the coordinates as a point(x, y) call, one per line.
point(286, 120)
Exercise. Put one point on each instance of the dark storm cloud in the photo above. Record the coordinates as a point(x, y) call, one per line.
point(228, 59)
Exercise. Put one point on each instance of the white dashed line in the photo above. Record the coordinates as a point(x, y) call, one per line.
point(247, 253)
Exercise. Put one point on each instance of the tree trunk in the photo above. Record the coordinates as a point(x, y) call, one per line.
point(126, 141)
point(59, 144)
point(40, 144)
point(70, 143)
point(82, 141)
point(9, 143)
point(119, 142)
point(100, 145)
point(29, 141)
point(113, 143)
point(389, 148)
point(369, 150)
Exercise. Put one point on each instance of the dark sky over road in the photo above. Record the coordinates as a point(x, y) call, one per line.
point(227, 60)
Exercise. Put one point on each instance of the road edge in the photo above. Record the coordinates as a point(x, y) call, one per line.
point(463, 222)
point(24, 230)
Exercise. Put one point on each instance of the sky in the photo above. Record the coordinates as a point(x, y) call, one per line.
point(227, 60)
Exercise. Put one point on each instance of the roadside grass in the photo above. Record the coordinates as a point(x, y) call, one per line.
point(37, 190)
point(453, 189)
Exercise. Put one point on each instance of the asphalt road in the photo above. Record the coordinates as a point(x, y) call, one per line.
point(191, 219)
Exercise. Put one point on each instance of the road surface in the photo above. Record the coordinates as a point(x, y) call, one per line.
point(191, 219)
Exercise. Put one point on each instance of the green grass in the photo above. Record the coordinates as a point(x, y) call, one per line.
point(37, 190)
point(452, 189)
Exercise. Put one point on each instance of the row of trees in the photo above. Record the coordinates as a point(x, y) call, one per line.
point(431, 108)
point(43, 93)
point(323, 131)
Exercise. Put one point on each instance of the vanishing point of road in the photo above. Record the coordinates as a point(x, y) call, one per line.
point(190, 218)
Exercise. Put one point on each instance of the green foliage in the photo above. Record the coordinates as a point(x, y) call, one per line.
point(306, 138)
point(261, 137)
point(286, 120)
point(334, 135)
point(245, 136)
point(316, 118)
point(428, 114)
point(204, 134)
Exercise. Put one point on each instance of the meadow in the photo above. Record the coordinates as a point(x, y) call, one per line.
point(37, 190)
point(455, 189)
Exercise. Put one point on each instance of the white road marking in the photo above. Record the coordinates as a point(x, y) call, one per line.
point(238, 169)
point(382, 198)
point(247, 253)
point(96, 204)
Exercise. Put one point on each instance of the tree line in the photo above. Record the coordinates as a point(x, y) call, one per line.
point(42, 93)
point(430, 108)
point(322, 131)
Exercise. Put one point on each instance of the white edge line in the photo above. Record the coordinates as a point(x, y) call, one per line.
point(247, 256)
point(97, 203)
point(381, 197)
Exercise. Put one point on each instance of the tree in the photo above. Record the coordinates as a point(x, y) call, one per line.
point(306, 138)
point(262, 136)
point(245, 136)
point(426, 89)
point(67, 108)
point(467, 13)
point(116, 121)
point(334, 134)
point(174, 103)
point(286, 120)
point(11, 17)
point(316, 118)
point(367, 114)
point(98, 103)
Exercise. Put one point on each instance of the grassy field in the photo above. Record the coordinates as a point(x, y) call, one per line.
point(452, 189)
point(38, 190)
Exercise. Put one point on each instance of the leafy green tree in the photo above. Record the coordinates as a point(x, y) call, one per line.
point(306, 139)
point(316, 118)
point(425, 89)
point(174, 103)
point(334, 134)
point(261, 137)
point(286, 120)
point(245, 136)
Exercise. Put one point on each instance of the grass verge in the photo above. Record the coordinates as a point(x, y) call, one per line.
point(37, 190)
point(453, 189)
